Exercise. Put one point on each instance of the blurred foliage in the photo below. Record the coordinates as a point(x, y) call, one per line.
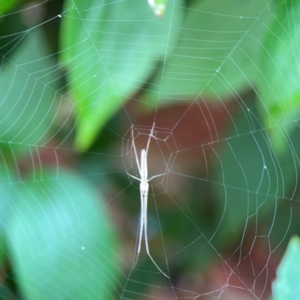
point(7, 195)
point(46, 224)
point(279, 80)
point(30, 97)
point(286, 285)
point(251, 186)
point(102, 83)
point(7, 5)
point(58, 222)
point(204, 43)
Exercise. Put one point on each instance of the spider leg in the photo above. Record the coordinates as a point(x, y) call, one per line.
point(142, 224)
point(151, 135)
point(139, 179)
point(145, 200)
point(155, 176)
point(135, 153)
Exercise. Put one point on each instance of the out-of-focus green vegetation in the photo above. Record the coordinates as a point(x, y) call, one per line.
point(55, 223)
point(121, 43)
point(286, 285)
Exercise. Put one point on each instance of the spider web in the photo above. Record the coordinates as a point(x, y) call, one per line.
point(221, 214)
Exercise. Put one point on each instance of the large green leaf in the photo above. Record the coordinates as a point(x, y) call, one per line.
point(280, 66)
point(287, 283)
point(7, 196)
point(28, 90)
point(110, 48)
point(7, 5)
point(217, 51)
point(61, 240)
point(250, 178)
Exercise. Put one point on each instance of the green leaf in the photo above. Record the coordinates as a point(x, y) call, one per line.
point(28, 90)
point(7, 197)
point(280, 66)
point(6, 293)
point(249, 177)
point(61, 240)
point(110, 50)
point(216, 54)
point(287, 283)
point(7, 5)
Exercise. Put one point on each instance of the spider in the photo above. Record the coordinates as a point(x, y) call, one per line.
point(144, 188)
